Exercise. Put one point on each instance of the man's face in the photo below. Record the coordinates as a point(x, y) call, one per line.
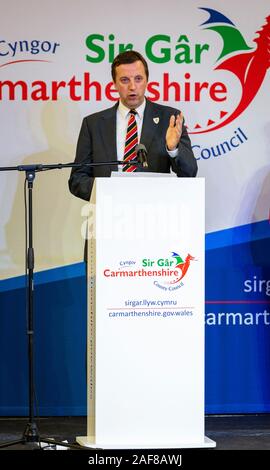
point(131, 82)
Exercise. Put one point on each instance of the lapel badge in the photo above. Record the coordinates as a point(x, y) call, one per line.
point(156, 120)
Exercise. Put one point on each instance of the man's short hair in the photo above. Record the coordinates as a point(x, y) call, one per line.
point(128, 57)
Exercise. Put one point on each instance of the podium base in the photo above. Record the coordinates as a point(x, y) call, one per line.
point(88, 441)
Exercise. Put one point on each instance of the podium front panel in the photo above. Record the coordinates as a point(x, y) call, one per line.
point(146, 312)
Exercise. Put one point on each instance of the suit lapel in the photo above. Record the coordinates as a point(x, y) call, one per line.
point(150, 124)
point(108, 133)
point(151, 121)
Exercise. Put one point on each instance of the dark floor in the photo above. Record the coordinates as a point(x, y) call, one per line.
point(231, 432)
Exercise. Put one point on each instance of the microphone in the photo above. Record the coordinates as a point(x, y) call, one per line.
point(142, 155)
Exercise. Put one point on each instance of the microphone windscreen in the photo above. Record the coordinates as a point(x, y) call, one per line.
point(140, 147)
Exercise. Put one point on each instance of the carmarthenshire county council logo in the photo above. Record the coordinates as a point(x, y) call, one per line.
point(165, 273)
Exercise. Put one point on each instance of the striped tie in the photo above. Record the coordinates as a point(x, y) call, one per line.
point(131, 141)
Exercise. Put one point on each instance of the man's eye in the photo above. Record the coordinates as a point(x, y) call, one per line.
point(124, 80)
point(138, 79)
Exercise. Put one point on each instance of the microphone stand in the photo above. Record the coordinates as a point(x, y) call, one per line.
point(31, 436)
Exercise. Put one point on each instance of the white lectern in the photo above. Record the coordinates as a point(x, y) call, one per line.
point(146, 313)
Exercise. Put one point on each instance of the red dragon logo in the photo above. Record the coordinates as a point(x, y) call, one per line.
point(249, 65)
point(181, 265)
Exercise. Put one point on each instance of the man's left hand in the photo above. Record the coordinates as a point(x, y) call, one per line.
point(174, 131)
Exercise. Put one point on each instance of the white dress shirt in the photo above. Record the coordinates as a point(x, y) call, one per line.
point(122, 117)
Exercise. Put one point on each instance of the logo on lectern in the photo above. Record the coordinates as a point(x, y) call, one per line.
point(166, 273)
point(176, 269)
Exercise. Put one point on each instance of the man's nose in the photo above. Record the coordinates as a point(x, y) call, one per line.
point(132, 84)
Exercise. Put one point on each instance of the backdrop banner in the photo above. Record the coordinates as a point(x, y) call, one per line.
point(211, 61)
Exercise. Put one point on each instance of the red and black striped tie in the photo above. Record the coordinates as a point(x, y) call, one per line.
point(131, 141)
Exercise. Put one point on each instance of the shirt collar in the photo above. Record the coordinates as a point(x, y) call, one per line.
point(123, 110)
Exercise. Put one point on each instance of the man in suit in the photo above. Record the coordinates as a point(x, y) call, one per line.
point(159, 128)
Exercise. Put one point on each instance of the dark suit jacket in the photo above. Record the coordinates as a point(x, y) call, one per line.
point(97, 143)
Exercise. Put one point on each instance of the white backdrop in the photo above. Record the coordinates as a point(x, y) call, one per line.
point(42, 130)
